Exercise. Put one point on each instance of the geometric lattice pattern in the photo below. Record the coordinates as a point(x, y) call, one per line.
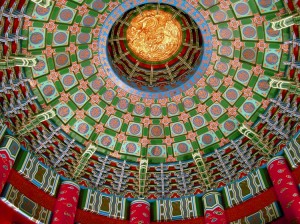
point(37, 173)
point(242, 190)
point(176, 209)
point(103, 204)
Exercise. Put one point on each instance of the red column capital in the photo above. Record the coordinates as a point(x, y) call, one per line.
point(213, 208)
point(140, 212)
point(9, 150)
point(66, 203)
point(5, 168)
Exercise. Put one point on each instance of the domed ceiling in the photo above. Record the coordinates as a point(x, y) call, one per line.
point(160, 81)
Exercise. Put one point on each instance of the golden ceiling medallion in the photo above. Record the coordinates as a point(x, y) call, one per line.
point(154, 35)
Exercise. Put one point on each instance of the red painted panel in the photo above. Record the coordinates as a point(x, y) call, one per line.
point(8, 215)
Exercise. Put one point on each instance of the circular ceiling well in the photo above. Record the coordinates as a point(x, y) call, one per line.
point(155, 46)
point(154, 35)
point(155, 50)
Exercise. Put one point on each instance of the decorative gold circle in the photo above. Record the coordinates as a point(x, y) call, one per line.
point(154, 35)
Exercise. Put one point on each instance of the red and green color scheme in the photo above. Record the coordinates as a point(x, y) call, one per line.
point(221, 76)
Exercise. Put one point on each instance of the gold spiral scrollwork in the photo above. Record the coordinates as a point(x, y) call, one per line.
point(154, 35)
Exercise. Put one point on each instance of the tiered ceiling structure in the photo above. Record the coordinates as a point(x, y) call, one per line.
point(180, 110)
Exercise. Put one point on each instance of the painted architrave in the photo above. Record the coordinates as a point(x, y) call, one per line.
point(37, 173)
point(176, 209)
point(265, 215)
point(31, 209)
point(292, 152)
point(245, 188)
point(104, 204)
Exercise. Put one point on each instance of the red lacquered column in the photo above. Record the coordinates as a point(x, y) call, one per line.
point(213, 208)
point(66, 203)
point(285, 188)
point(5, 168)
point(9, 150)
point(140, 212)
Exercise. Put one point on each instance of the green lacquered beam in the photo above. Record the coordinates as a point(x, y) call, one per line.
point(19, 61)
point(260, 145)
point(202, 169)
point(292, 87)
point(285, 21)
point(36, 121)
point(143, 176)
point(43, 3)
point(91, 149)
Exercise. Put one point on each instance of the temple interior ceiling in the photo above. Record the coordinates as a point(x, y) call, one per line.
point(92, 107)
